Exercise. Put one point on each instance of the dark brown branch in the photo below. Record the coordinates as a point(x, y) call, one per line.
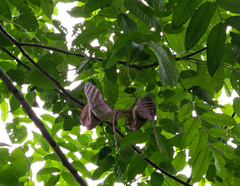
point(137, 150)
point(25, 54)
point(189, 55)
point(82, 55)
point(31, 114)
point(101, 59)
point(15, 58)
point(53, 49)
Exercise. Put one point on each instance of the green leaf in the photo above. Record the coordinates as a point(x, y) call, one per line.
point(41, 141)
point(135, 137)
point(114, 58)
point(199, 24)
point(179, 161)
point(120, 169)
point(48, 170)
point(233, 164)
point(17, 76)
point(5, 11)
point(228, 55)
point(49, 63)
point(36, 2)
point(7, 65)
point(81, 168)
point(4, 42)
point(78, 12)
point(167, 107)
point(190, 127)
point(137, 166)
point(26, 19)
point(55, 36)
point(104, 166)
point(218, 133)
point(4, 111)
point(104, 152)
point(236, 107)
point(156, 179)
point(89, 35)
point(218, 79)
point(169, 126)
point(166, 148)
point(226, 150)
point(110, 91)
point(84, 65)
point(215, 46)
point(183, 12)
point(53, 180)
point(4, 144)
point(127, 152)
point(68, 123)
point(233, 21)
point(211, 173)
point(231, 5)
point(110, 180)
point(111, 74)
point(234, 79)
point(218, 119)
point(83, 140)
point(143, 12)
point(48, 118)
point(134, 51)
point(168, 167)
point(69, 179)
point(16, 167)
point(30, 97)
point(47, 7)
point(15, 2)
point(92, 5)
point(236, 45)
point(126, 24)
point(220, 166)
point(16, 133)
point(167, 64)
point(201, 164)
point(125, 39)
point(198, 143)
point(158, 5)
point(14, 104)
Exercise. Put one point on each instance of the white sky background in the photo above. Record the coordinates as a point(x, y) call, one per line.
point(69, 22)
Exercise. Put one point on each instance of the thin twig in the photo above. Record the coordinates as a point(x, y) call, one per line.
point(15, 58)
point(189, 55)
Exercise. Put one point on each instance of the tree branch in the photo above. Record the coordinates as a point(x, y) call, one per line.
point(31, 114)
point(189, 55)
point(15, 58)
point(82, 55)
point(53, 49)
